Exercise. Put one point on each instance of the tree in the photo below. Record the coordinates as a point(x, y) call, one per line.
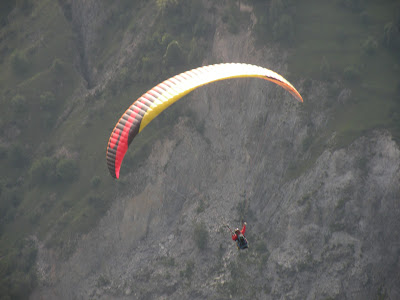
point(18, 155)
point(163, 5)
point(47, 101)
point(391, 36)
point(18, 103)
point(42, 170)
point(67, 170)
point(370, 45)
point(173, 55)
point(325, 68)
point(283, 29)
point(24, 5)
point(19, 62)
point(353, 5)
point(351, 73)
point(200, 235)
point(276, 10)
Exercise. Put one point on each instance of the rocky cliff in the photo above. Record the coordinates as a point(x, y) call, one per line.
point(320, 226)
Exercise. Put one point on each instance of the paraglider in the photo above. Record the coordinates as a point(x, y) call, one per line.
point(239, 237)
point(153, 102)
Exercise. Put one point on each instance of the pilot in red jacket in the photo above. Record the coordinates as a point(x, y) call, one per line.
point(238, 232)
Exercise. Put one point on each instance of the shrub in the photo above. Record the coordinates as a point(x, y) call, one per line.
point(353, 5)
point(146, 65)
point(391, 36)
point(325, 68)
point(163, 5)
point(365, 17)
point(98, 202)
point(201, 206)
point(19, 62)
point(307, 85)
point(370, 45)
point(200, 235)
point(47, 101)
point(174, 55)
point(276, 10)
point(10, 200)
point(167, 261)
point(342, 35)
point(231, 17)
point(58, 66)
point(18, 104)
point(166, 39)
point(24, 5)
point(381, 294)
point(195, 52)
point(261, 28)
point(48, 119)
point(95, 181)
point(283, 29)
point(351, 73)
point(102, 281)
point(18, 155)
point(261, 247)
point(19, 275)
point(201, 28)
point(42, 170)
point(396, 97)
point(67, 9)
point(188, 272)
point(67, 170)
point(241, 208)
point(233, 26)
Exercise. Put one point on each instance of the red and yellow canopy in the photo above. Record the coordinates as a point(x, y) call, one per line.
point(153, 102)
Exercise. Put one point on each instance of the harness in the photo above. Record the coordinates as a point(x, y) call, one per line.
point(242, 242)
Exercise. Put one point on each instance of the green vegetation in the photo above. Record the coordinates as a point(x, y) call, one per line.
point(242, 209)
point(354, 38)
point(54, 183)
point(355, 48)
point(173, 55)
point(177, 42)
point(6, 7)
point(200, 235)
point(201, 206)
point(19, 62)
point(233, 17)
point(167, 261)
point(187, 273)
point(102, 281)
point(17, 272)
point(346, 48)
point(276, 21)
point(381, 294)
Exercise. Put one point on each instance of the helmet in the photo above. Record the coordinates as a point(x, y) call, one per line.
point(237, 230)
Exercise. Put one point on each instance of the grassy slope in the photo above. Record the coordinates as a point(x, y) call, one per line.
point(336, 33)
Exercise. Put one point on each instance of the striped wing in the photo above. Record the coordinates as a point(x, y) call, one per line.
point(152, 103)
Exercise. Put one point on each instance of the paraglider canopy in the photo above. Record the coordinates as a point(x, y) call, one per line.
point(153, 102)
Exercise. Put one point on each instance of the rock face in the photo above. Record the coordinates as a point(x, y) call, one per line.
point(337, 234)
point(331, 230)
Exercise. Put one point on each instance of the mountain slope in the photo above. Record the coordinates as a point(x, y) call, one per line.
point(317, 182)
point(237, 152)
